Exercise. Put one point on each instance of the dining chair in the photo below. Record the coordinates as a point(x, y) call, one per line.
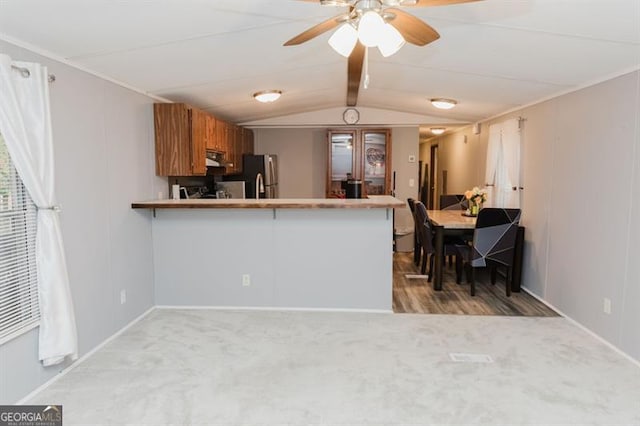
point(417, 246)
point(453, 202)
point(427, 238)
point(425, 231)
point(494, 240)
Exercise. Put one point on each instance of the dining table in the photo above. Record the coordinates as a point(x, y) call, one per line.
point(458, 223)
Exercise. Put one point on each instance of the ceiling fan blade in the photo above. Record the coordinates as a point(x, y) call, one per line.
point(316, 30)
point(414, 30)
point(354, 74)
point(426, 3)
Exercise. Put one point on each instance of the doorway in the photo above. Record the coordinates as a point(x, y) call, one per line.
point(433, 178)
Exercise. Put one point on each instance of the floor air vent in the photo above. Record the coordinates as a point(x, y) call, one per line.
point(475, 358)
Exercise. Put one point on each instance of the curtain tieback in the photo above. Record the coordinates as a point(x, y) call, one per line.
point(54, 208)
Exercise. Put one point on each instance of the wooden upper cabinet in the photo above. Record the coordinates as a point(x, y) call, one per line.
point(198, 142)
point(211, 136)
point(221, 135)
point(249, 141)
point(184, 135)
point(180, 140)
point(239, 148)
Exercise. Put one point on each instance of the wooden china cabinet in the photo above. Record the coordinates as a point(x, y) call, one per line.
point(364, 154)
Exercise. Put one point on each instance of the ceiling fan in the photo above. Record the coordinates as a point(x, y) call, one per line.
point(371, 23)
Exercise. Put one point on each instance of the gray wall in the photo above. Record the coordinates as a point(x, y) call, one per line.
point(302, 258)
point(302, 154)
point(302, 159)
point(581, 202)
point(103, 147)
point(404, 144)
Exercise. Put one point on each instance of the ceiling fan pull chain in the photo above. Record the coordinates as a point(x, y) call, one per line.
point(366, 68)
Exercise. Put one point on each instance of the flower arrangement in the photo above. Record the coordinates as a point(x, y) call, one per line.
point(476, 198)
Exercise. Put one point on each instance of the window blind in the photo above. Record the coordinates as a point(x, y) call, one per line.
point(18, 278)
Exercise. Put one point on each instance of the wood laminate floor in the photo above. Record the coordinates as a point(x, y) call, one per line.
point(418, 296)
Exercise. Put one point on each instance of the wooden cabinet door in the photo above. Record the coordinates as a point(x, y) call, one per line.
point(211, 137)
point(342, 160)
point(376, 161)
point(173, 139)
point(198, 142)
point(232, 152)
point(249, 141)
point(221, 136)
point(239, 148)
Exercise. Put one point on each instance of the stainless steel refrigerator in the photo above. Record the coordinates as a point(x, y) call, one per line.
point(267, 166)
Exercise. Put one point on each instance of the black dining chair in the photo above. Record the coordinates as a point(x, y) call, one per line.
point(427, 240)
point(453, 202)
point(494, 240)
point(417, 246)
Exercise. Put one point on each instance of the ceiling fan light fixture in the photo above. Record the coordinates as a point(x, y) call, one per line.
point(334, 3)
point(437, 130)
point(370, 28)
point(344, 40)
point(391, 41)
point(267, 95)
point(443, 103)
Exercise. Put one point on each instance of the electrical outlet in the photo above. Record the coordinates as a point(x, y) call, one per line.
point(160, 195)
point(246, 280)
point(607, 306)
point(123, 297)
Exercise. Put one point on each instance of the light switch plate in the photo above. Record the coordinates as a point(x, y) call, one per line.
point(412, 183)
point(412, 158)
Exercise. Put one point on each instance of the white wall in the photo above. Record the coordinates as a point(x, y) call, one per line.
point(104, 155)
point(581, 202)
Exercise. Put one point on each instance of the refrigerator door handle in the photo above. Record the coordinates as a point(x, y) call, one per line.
point(272, 172)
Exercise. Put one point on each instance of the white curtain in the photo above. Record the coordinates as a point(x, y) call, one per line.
point(25, 124)
point(503, 164)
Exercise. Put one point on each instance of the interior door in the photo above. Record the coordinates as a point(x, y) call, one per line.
point(433, 189)
point(341, 161)
point(376, 154)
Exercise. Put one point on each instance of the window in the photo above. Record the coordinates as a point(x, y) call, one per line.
point(18, 279)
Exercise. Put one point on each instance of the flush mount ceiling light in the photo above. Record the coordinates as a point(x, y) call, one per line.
point(267, 95)
point(442, 103)
point(437, 130)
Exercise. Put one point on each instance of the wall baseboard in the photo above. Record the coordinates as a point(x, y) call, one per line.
point(83, 358)
point(585, 329)
point(265, 308)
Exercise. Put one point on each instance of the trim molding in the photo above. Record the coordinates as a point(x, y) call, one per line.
point(282, 309)
point(585, 329)
point(83, 358)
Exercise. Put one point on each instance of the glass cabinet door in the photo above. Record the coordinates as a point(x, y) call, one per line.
point(376, 161)
point(341, 161)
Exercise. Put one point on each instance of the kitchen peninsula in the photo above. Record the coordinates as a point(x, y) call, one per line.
point(280, 253)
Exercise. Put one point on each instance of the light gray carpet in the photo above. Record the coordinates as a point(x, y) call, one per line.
point(307, 368)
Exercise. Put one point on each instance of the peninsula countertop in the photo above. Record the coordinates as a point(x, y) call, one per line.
point(373, 202)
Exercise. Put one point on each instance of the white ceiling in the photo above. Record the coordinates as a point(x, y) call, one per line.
point(492, 56)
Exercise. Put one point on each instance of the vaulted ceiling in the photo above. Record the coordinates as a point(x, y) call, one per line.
point(493, 55)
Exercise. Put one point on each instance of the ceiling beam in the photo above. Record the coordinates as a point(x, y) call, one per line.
point(354, 74)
